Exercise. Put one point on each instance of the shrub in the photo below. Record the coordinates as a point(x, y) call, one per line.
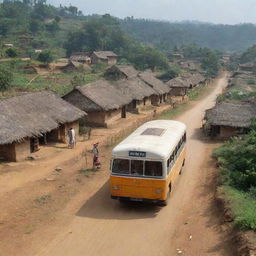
point(11, 52)
point(45, 56)
point(6, 78)
point(238, 161)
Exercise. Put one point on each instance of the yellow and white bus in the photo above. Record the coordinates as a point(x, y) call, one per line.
point(145, 165)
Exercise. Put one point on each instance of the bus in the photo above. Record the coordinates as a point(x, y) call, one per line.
point(145, 165)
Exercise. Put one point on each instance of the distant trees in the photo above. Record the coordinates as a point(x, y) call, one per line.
point(166, 35)
point(104, 33)
point(249, 55)
point(210, 63)
point(32, 16)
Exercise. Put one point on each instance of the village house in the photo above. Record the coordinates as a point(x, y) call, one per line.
point(179, 88)
point(163, 91)
point(28, 120)
point(73, 66)
point(101, 100)
point(193, 79)
point(247, 67)
point(80, 57)
point(129, 83)
point(117, 72)
point(108, 57)
point(228, 119)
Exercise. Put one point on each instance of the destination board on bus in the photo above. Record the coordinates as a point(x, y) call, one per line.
point(137, 154)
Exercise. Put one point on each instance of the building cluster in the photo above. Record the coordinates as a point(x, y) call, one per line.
point(234, 112)
point(34, 119)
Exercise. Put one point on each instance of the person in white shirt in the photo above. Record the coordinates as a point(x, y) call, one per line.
point(71, 138)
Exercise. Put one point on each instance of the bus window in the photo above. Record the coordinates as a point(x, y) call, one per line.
point(137, 167)
point(121, 166)
point(153, 168)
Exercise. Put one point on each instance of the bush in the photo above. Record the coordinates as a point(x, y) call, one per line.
point(45, 56)
point(244, 208)
point(6, 78)
point(11, 52)
point(251, 81)
point(238, 161)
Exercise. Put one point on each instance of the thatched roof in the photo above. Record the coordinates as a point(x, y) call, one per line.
point(116, 71)
point(103, 95)
point(134, 88)
point(178, 82)
point(33, 114)
point(233, 114)
point(193, 78)
point(156, 84)
point(104, 54)
point(80, 56)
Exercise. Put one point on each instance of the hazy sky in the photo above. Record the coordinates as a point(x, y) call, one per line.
point(216, 11)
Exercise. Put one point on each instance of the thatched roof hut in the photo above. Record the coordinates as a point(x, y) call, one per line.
point(232, 114)
point(82, 57)
point(178, 82)
point(134, 88)
point(193, 79)
point(149, 78)
point(104, 55)
point(98, 96)
point(33, 114)
point(121, 71)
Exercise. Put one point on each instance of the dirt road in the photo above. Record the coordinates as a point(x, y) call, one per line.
point(189, 225)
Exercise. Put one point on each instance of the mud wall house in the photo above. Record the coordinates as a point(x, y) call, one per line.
point(163, 91)
point(27, 120)
point(73, 66)
point(127, 80)
point(101, 100)
point(117, 72)
point(248, 67)
point(228, 119)
point(81, 57)
point(179, 88)
point(107, 57)
point(139, 92)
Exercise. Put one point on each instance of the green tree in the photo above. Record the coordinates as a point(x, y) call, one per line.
point(11, 52)
point(210, 63)
point(6, 78)
point(45, 56)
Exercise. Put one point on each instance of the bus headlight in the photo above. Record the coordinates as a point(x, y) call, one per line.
point(115, 187)
point(158, 191)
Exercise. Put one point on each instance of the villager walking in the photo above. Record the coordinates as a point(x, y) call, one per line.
point(95, 151)
point(71, 138)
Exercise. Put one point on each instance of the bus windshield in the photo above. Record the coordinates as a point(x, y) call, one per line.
point(137, 168)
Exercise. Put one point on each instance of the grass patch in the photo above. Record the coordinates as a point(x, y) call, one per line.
point(198, 93)
point(243, 206)
point(172, 113)
point(43, 199)
point(88, 172)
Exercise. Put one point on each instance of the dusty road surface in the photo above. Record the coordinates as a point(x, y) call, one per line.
point(189, 225)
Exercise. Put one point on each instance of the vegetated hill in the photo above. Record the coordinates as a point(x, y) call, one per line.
point(166, 35)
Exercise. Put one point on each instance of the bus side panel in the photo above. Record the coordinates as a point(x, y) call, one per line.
point(176, 168)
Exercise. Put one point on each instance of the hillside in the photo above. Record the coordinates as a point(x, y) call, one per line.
point(166, 35)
